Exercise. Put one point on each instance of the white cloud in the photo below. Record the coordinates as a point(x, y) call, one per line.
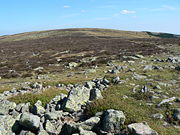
point(66, 6)
point(125, 12)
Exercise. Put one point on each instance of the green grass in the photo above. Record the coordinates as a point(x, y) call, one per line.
point(135, 110)
point(44, 96)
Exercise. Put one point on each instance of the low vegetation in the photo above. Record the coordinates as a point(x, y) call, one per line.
point(44, 96)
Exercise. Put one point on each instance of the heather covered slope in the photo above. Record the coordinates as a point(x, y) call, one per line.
point(26, 51)
point(77, 83)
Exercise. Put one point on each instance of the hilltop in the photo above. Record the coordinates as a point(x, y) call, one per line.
point(75, 32)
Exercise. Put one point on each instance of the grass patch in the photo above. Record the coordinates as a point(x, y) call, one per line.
point(44, 96)
point(135, 110)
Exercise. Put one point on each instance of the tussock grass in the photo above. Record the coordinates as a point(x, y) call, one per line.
point(44, 96)
point(135, 110)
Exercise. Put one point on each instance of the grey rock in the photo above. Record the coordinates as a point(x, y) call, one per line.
point(19, 107)
point(43, 132)
point(144, 89)
point(95, 94)
point(90, 71)
point(58, 98)
point(85, 132)
point(175, 59)
point(14, 113)
point(90, 84)
point(76, 98)
point(139, 56)
point(39, 69)
point(113, 71)
point(112, 120)
point(165, 101)
point(148, 67)
point(38, 109)
point(151, 67)
point(26, 133)
point(90, 123)
point(5, 106)
point(116, 80)
point(53, 115)
point(25, 108)
point(36, 85)
point(88, 59)
point(7, 123)
point(50, 128)
point(139, 77)
point(71, 65)
point(176, 114)
point(157, 87)
point(6, 93)
point(177, 68)
point(32, 122)
point(69, 129)
point(141, 129)
point(157, 116)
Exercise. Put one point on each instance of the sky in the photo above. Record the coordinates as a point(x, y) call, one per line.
point(17, 16)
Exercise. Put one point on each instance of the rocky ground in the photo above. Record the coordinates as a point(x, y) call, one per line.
point(137, 94)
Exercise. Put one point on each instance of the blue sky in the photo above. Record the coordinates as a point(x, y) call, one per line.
point(137, 15)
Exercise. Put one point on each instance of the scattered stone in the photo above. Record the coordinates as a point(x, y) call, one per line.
point(157, 116)
point(176, 114)
point(53, 115)
point(6, 126)
point(90, 123)
point(141, 129)
point(116, 80)
point(157, 87)
point(88, 59)
point(139, 56)
point(125, 97)
point(38, 68)
point(177, 68)
point(148, 67)
point(95, 94)
point(112, 120)
point(166, 101)
point(144, 89)
point(25, 108)
point(69, 129)
point(43, 132)
point(139, 77)
point(6, 106)
point(38, 109)
point(77, 96)
point(58, 98)
point(71, 65)
point(174, 59)
point(26, 133)
point(113, 71)
point(50, 128)
point(84, 132)
point(90, 71)
point(90, 84)
point(32, 122)
point(36, 85)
